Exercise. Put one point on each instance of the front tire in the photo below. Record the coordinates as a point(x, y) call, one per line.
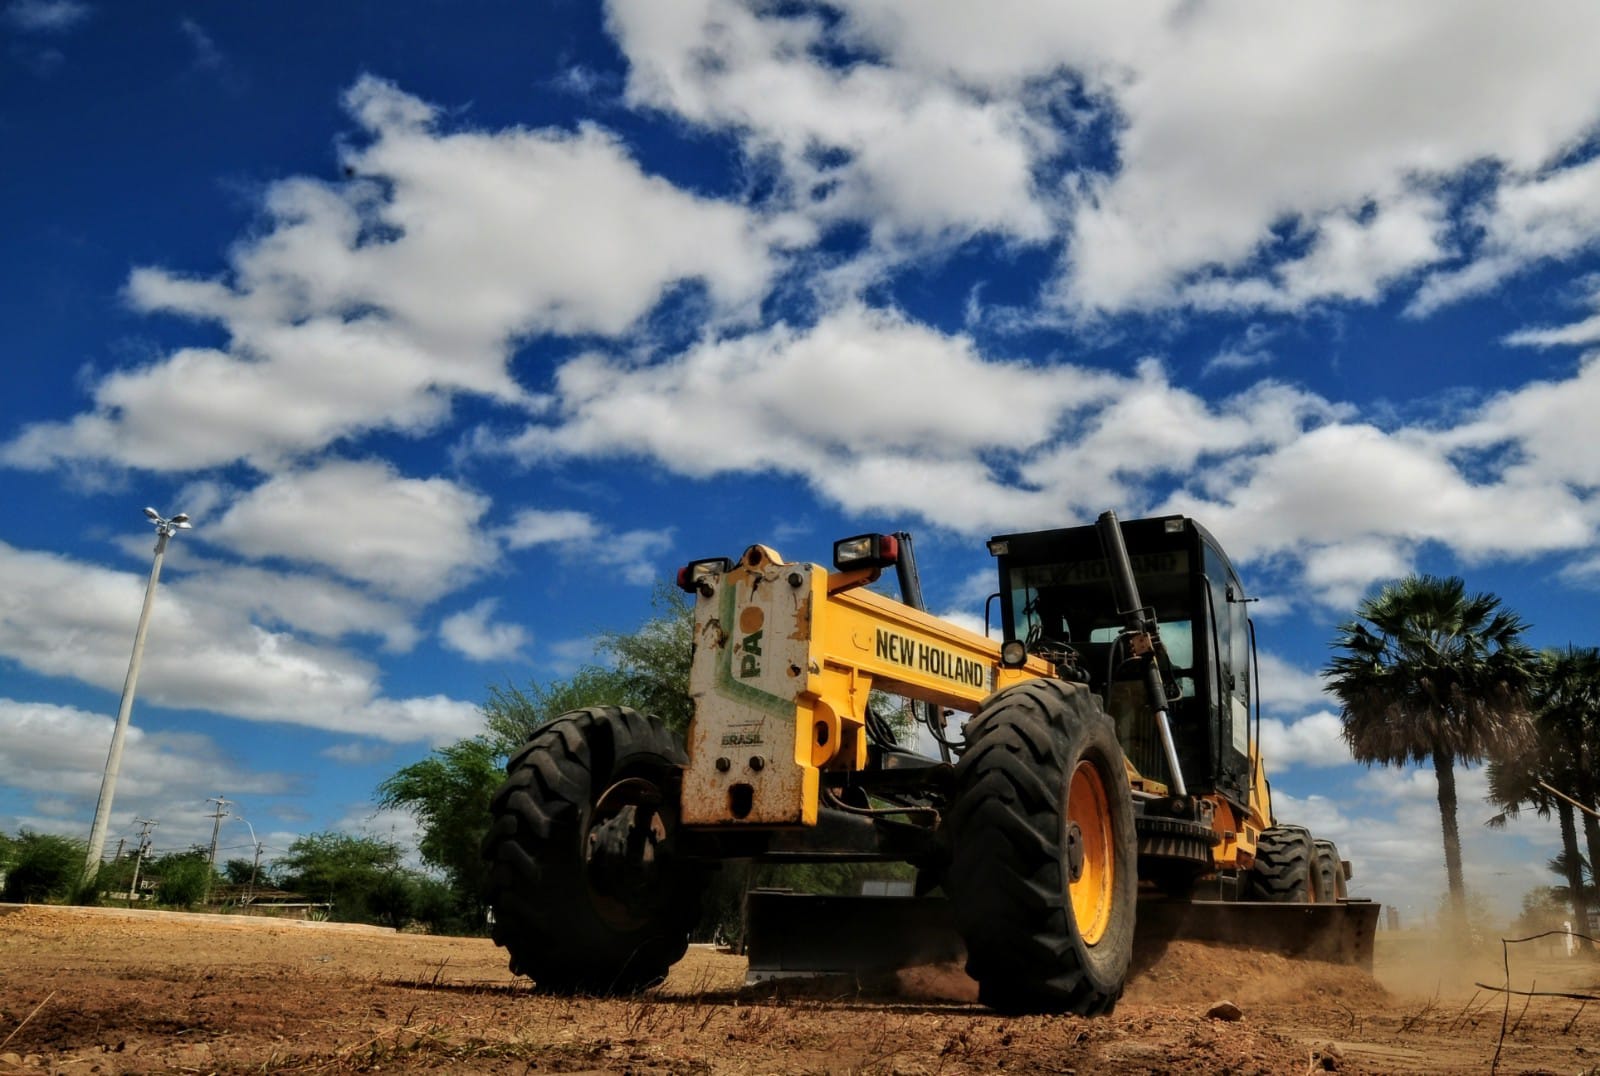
point(1042, 875)
point(587, 893)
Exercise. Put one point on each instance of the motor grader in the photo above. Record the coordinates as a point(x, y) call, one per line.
point(1108, 780)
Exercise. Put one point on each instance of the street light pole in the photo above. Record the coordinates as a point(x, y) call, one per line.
point(165, 529)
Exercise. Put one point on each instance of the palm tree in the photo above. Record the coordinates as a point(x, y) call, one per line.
point(1562, 695)
point(1425, 672)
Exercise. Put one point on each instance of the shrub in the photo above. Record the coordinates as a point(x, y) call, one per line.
point(43, 866)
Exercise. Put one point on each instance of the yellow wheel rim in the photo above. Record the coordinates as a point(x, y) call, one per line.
point(1092, 860)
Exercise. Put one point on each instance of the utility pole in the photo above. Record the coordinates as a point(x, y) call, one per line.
point(165, 528)
point(250, 893)
point(147, 825)
point(216, 828)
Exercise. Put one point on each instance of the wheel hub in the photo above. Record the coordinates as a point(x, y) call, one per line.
point(624, 853)
point(1074, 852)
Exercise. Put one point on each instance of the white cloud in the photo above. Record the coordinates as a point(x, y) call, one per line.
point(364, 753)
point(1548, 430)
point(972, 443)
point(367, 305)
point(304, 603)
point(535, 527)
point(1351, 256)
point(1264, 155)
point(1576, 334)
point(777, 394)
point(47, 16)
point(52, 759)
point(1531, 218)
point(1351, 501)
point(578, 538)
point(1314, 741)
point(911, 156)
point(62, 750)
point(473, 634)
point(67, 618)
point(412, 538)
point(1286, 688)
point(1242, 117)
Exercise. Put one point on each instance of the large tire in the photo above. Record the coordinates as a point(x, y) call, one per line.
point(1042, 875)
point(587, 894)
point(1285, 867)
point(1330, 872)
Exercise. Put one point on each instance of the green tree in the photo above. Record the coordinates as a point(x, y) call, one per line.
point(648, 670)
point(240, 871)
point(43, 866)
point(354, 874)
point(1426, 673)
point(182, 878)
point(449, 793)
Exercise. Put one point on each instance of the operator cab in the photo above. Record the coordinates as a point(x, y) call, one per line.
point(1057, 597)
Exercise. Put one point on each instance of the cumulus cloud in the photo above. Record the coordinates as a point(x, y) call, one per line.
point(62, 750)
point(368, 305)
point(1314, 740)
point(68, 618)
point(475, 635)
point(412, 538)
point(915, 158)
point(1287, 688)
point(1352, 503)
point(52, 759)
point(1254, 156)
point(576, 536)
point(305, 603)
point(775, 394)
point(1531, 218)
point(1281, 475)
point(46, 16)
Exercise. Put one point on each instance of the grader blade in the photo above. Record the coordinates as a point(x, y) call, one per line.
point(1340, 933)
point(795, 935)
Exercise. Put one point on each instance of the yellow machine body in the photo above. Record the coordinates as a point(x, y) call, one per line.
point(786, 657)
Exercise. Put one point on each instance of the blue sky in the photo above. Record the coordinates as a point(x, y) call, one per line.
point(454, 327)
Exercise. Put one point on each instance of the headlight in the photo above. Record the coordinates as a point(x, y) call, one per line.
point(866, 551)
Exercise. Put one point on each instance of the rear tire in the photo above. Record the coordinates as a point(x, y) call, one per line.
point(1330, 872)
point(1042, 875)
point(587, 894)
point(1284, 871)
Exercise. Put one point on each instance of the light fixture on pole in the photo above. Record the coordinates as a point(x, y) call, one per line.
point(165, 529)
point(255, 865)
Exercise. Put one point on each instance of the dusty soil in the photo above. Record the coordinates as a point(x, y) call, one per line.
point(100, 990)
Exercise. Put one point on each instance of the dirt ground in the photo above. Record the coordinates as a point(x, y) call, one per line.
point(107, 991)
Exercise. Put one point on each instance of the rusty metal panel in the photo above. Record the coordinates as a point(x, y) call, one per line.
point(750, 670)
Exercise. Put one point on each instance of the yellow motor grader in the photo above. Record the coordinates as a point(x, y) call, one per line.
point(1108, 780)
